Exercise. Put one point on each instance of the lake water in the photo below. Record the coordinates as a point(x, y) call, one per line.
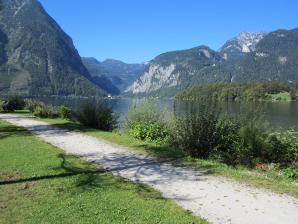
point(278, 114)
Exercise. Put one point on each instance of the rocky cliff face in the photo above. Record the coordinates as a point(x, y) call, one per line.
point(36, 56)
point(174, 69)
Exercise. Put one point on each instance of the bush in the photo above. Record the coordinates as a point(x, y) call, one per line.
point(31, 105)
point(196, 129)
point(45, 111)
point(1, 104)
point(148, 122)
point(253, 148)
point(65, 112)
point(149, 131)
point(293, 94)
point(203, 132)
point(13, 103)
point(97, 116)
point(228, 137)
point(42, 110)
point(248, 141)
point(284, 148)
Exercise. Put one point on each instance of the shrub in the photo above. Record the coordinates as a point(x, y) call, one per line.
point(253, 148)
point(45, 111)
point(148, 122)
point(65, 112)
point(284, 148)
point(228, 141)
point(40, 109)
point(31, 104)
point(293, 94)
point(196, 129)
point(149, 131)
point(243, 140)
point(1, 104)
point(13, 103)
point(97, 116)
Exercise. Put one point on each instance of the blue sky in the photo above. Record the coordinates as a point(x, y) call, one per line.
point(139, 30)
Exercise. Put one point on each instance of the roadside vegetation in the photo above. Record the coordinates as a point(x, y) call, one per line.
point(242, 147)
point(40, 184)
point(201, 131)
point(267, 91)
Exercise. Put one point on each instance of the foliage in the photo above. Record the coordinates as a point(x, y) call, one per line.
point(13, 103)
point(1, 104)
point(241, 91)
point(31, 104)
point(284, 148)
point(65, 112)
point(42, 110)
point(294, 94)
point(248, 141)
point(148, 122)
point(96, 116)
point(242, 140)
point(196, 130)
point(45, 111)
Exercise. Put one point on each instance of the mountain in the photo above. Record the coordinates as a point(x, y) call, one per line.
point(275, 59)
point(118, 74)
point(176, 70)
point(244, 43)
point(251, 56)
point(36, 56)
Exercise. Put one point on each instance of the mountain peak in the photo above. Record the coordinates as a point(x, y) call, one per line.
point(244, 42)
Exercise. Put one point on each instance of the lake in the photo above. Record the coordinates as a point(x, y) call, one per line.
point(278, 114)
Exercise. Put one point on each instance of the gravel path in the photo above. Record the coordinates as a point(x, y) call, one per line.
point(217, 199)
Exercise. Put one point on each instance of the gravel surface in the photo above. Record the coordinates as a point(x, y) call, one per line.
point(217, 199)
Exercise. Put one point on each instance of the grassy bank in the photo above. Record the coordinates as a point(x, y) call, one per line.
point(40, 184)
point(270, 179)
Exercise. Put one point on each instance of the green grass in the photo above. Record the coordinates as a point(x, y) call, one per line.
point(40, 184)
point(266, 179)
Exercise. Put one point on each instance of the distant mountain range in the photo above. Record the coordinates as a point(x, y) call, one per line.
point(250, 56)
point(114, 76)
point(38, 58)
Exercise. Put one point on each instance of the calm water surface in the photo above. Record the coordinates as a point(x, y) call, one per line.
point(278, 114)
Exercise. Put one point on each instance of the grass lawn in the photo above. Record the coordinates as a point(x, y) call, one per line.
point(269, 179)
point(40, 184)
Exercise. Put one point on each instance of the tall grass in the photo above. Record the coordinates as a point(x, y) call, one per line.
point(96, 116)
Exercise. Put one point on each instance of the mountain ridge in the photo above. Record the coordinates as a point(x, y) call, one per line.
point(256, 56)
point(118, 74)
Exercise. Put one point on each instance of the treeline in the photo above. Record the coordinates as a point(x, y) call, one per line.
point(242, 91)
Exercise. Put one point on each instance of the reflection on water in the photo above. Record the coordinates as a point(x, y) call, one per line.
point(278, 114)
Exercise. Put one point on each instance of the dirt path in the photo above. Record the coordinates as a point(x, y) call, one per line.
point(217, 199)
